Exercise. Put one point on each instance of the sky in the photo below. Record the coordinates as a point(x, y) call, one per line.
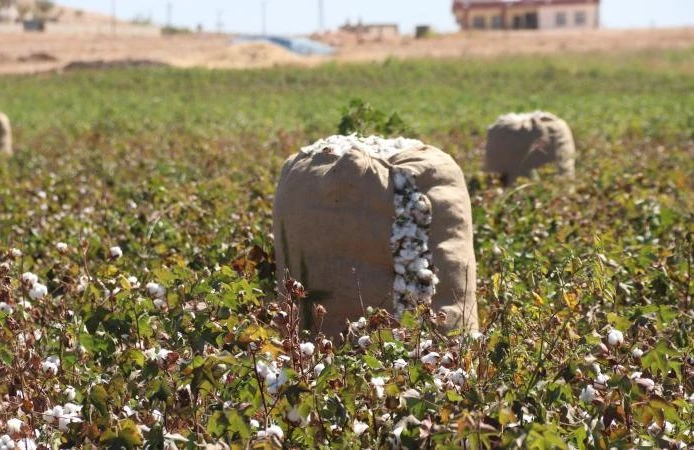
point(301, 16)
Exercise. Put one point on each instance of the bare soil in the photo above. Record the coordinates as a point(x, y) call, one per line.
point(22, 53)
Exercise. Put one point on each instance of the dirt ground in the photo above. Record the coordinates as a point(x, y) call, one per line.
point(22, 53)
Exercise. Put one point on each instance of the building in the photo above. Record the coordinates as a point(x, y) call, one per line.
point(373, 32)
point(526, 14)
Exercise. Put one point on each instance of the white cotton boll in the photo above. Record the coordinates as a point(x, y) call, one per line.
point(399, 269)
point(159, 303)
point(399, 180)
point(399, 364)
point(5, 308)
point(307, 348)
point(29, 278)
point(646, 383)
point(378, 383)
point(61, 247)
point(15, 252)
point(400, 285)
point(408, 254)
point(115, 252)
point(320, 367)
point(254, 424)
point(425, 275)
point(359, 427)
point(38, 291)
point(156, 290)
point(14, 426)
point(476, 336)
point(654, 429)
point(588, 394)
point(6, 443)
point(430, 358)
point(615, 337)
point(295, 417)
point(157, 415)
point(637, 353)
point(364, 341)
point(668, 427)
point(602, 379)
point(263, 369)
point(418, 264)
point(275, 381)
point(49, 368)
point(271, 431)
point(458, 377)
point(133, 282)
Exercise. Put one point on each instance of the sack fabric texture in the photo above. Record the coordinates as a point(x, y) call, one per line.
point(5, 135)
point(333, 220)
point(517, 144)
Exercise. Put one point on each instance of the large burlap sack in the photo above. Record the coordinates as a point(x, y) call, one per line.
point(517, 144)
point(334, 231)
point(5, 135)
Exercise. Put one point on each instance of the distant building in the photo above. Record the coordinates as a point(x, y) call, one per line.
point(526, 14)
point(373, 31)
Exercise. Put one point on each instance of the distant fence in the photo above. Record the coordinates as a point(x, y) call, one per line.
point(120, 29)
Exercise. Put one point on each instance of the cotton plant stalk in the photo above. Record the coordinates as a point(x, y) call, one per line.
point(519, 144)
point(376, 222)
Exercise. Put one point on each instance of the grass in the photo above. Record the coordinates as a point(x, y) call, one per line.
point(177, 168)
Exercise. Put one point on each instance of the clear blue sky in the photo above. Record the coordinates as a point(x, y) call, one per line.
point(300, 16)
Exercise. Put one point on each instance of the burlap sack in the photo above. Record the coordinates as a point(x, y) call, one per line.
point(333, 217)
point(5, 135)
point(517, 144)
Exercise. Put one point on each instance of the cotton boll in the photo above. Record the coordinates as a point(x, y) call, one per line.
point(6, 309)
point(306, 348)
point(637, 353)
point(270, 432)
point(588, 394)
point(400, 285)
point(430, 358)
point(156, 290)
point(399, 268)
point(359, 427)
point(38, 291)
point(29, 278)
point(6, 443)
point(318, 369)
point(70, 393)
point(15, 253)
point(378, 383)
point(425, 275)
point(364, 341)
point(615, 337)
point(61, 247)
point(14, 426)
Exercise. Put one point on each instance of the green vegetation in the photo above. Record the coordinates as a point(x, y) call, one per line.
point(177, 341)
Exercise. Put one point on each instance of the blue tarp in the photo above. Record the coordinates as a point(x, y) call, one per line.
point(301, 46)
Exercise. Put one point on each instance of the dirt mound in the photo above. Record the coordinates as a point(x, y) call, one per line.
point(100, 64)
point(37, 57)
point(247, 54)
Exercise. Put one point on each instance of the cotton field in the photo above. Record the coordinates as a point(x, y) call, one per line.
point(142, 304)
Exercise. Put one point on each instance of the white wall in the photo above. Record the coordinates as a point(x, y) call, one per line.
point(548, 16)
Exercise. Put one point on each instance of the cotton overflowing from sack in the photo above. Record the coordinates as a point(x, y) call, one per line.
point(517, 144)
point(5, 135)
point(376, 222)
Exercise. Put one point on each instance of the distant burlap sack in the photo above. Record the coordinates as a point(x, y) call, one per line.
point(5, 135)
point(517, 144)
point(333, 223)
